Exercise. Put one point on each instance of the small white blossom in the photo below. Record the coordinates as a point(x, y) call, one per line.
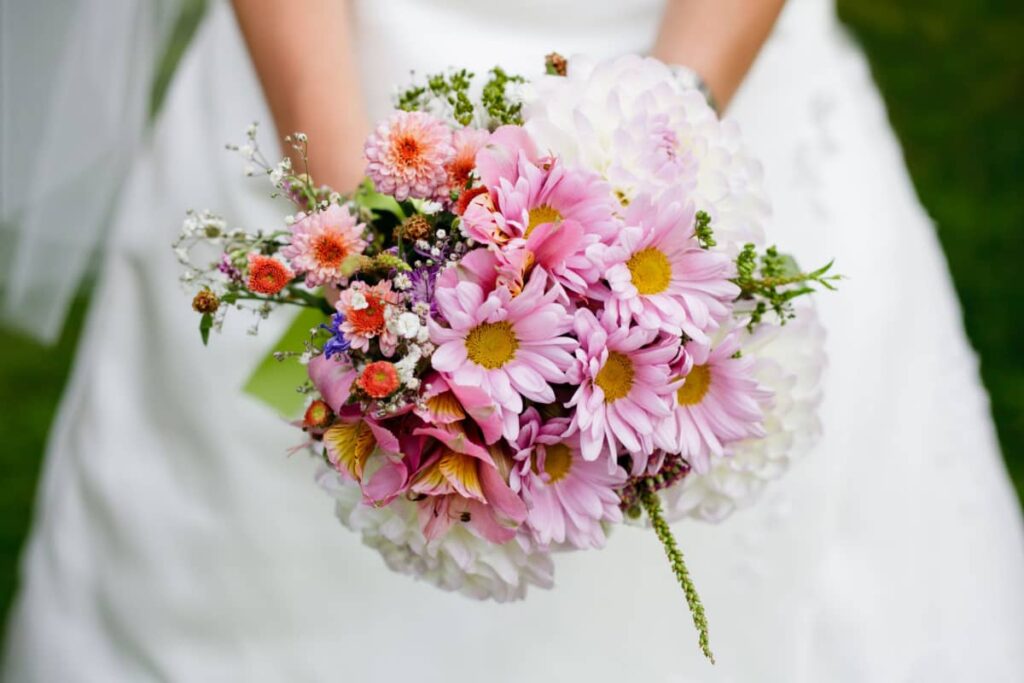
point(406, 368)
point(441, 234)
point(358, 302)
point(401, 282)
point(407, 325)
point(430, 207)
point(182, 254)
point(421, 308)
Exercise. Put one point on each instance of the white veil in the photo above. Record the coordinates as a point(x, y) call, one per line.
point(75, 83)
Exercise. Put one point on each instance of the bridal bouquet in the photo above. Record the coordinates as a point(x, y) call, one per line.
point(549, 310)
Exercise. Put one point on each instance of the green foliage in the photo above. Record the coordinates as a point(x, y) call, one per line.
point(494, 109)
point(652, 506)
point(771, 281)
point(205, 325)
point(702, 229)
point(495, 100)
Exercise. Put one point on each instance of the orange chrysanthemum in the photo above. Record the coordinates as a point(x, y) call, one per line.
point(267, 275)
point(379, 379)
point(318, 415)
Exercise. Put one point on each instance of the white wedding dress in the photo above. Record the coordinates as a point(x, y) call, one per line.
point(175, 541)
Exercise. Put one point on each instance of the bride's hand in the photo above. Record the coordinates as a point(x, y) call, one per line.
point(302, 51)
point(718, 39)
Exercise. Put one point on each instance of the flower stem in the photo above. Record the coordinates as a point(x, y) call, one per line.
point(652, 505)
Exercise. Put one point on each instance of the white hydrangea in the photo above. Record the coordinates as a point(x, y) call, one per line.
point(632, 121)
point(459, 561)
point(790, 362)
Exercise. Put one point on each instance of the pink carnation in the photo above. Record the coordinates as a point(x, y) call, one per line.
point(407, 154)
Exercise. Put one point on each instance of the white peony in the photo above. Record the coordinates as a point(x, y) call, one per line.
point(790, 362)
point(459, 561)
point(630, 120)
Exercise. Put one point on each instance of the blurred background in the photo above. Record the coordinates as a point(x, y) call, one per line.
point(952, 74)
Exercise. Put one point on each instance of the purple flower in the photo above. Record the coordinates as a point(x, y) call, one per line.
point(337, 343)
point(422, 288)
point(228, 268)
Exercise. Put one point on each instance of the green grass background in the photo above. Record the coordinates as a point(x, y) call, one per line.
point(952, 74)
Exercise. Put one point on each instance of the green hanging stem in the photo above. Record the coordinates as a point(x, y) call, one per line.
point(652, 505)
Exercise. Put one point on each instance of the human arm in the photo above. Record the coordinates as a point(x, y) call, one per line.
point(718, 39)
point(302, 51)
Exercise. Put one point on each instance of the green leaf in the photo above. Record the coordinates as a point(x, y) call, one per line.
point(788, 265)
point(274, 382)
point(205, 325)
point(369, 198)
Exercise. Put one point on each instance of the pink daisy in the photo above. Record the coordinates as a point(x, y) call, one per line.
point(625, 388)
point(367, 311)
point(659, 275)
point(511, 347)
point(407, 154)
point(542, 207)
point(567, 498)
point(718, 403)
point(321, 242)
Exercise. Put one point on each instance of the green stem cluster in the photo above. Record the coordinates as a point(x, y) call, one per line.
point(652, 505)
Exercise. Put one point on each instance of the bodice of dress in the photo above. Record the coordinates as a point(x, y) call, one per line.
point(396, 37)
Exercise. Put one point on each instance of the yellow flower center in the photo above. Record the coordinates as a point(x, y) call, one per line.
point(557, 462)
point(541, 215)
point(695, 386)
point(651, 271)
point(616, 377)
point(492, 344)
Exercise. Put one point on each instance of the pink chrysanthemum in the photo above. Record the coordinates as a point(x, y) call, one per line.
point(407, 154)
point(511, 347)
point(321, 242)
point(567, 497)
point(659, 275)
point(625, 388)
point(267, 275)
point(466, 142)
point(718, 403)
point(367, 311)
point(541, 206)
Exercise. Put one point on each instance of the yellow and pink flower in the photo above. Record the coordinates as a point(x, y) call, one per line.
point(718, 403)
point(568, 498)
point(660, 277)
point(624, 388)
point(511, 347)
